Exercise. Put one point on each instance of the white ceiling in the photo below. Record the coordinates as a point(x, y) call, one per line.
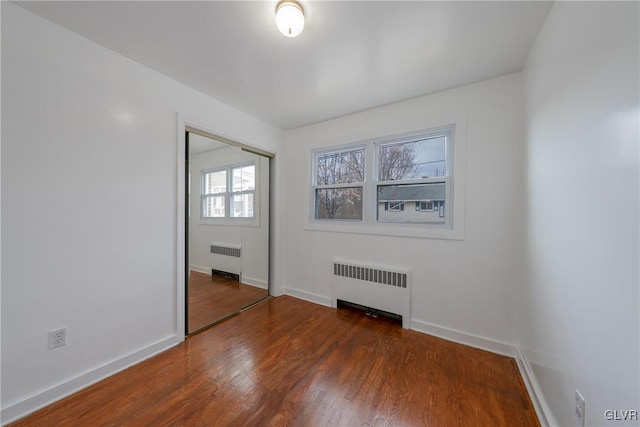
point(351, 56)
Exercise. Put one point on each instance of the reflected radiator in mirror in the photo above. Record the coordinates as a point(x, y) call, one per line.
point(225, 257)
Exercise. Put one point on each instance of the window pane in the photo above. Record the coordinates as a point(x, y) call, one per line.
point(215, 182)
point(243, 178)
point(424, 158)
point(213, 207)
point(242, 206)
point(412, 203)
point(339, 203)
point(395, 206)
point(340, 167)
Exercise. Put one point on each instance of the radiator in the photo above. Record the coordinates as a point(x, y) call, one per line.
point(378, 287)
point(228, 250)
point(226, 257)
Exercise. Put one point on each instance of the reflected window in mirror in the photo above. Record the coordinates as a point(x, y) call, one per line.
point(233, 186)
point(243, 187)
point(214, 193)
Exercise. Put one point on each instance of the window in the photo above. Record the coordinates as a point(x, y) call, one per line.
point(394, 206)
point(214, 194)
point(425, 206)
point(229, 192)
point(339, 184)
point(412, 170)
point(243, 188)
point(404, 179)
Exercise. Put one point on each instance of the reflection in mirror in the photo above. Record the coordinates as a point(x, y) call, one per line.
point(228, 230)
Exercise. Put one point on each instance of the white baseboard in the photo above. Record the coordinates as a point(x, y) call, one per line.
point(207, 270)
point(533, 388)
point(31, 404)
point(255, 282)
point(308, 296)
point(465, 338)
point(246, 280)
point(200, 269)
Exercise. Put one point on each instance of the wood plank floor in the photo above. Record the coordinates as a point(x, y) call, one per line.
point(287, 362)
point(212, 298)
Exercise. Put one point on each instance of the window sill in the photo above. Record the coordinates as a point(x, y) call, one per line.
point(420, 231)
point(226, 222)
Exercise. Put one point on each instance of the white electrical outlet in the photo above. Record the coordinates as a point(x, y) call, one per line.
point(57, 338)
point(580, 408)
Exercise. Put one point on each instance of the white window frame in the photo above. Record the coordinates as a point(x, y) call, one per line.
point(455, 188)
point(243, 192)
point(227, 219)
point(448, 132)
point(314, 179)
point(222, 194)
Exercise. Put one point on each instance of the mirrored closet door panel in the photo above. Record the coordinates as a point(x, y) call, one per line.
point(227, 227)
point(254, 200)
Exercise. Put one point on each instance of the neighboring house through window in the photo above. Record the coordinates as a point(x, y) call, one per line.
point(422, 199)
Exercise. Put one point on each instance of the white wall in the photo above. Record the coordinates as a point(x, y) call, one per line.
point(459, 285)
point(578, 314)
point(89, 237)
point(250, 234)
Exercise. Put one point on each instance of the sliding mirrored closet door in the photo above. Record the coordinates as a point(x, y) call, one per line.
point(227, 230)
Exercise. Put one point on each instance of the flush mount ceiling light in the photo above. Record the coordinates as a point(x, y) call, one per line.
point(289, 18)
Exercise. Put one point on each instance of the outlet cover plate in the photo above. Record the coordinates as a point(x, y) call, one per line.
point(580, 408)
point(57, 338)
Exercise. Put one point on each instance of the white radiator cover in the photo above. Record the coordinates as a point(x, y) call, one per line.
point(380, 287)
point(225, 257)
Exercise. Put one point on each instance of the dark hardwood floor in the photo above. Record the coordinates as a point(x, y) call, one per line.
point(288, 362)
point(212, 298)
